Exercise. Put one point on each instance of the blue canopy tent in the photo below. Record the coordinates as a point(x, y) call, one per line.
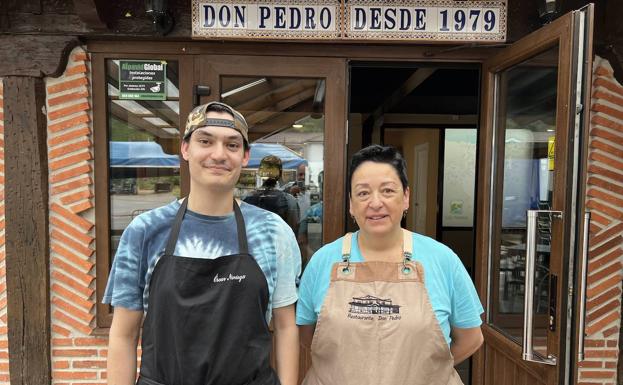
point(289, 159)
point(141, 154)
point(150, 154)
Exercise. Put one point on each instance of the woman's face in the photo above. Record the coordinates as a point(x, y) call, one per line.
point(377, 199)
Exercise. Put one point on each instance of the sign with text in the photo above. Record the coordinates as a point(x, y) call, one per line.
point(142, 79)
point(399, 20)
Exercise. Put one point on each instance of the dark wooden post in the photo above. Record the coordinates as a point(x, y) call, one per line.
point(27, 239)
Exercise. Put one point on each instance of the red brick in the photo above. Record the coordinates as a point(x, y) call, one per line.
point(60, 316)
point(70, 230)
point(602, 323)
point(606, 234)
point(598, 262)
point(616, 214)
point(91, 341)
point(606, 247)
point(591, 343)
point(70, 160)
point(90, 364)
point(68, 98)
point(72, 310)
point(69, 148)
point(81, 207)
point(69, 110)
point(605, 122)
point(67, 268)
point(62, 341)
point(77, 69)
point(613, 343)
point(79, 287)
point(73, 185)
point(594, 169)
point(604, 196)
point(80, 56)
point(608, 84)
point(590, 364)
point(77, 196)
point(79, 221)
point(596, 374)
point(614, 99)
point(68, 123)
point(609, 353)
point(596, 181)
point(60, 375)
point(603, 286)
point(603, 298)
point(73, 297)
point(600, 220)
point(610, 364)
point(58, 177)
point(74, 353)
point(601, 145)
point(76, 246)
point(603, 71)
point(601, 274)
point(60, 365)
point(61, 330)
point(600, 312)
point(67, 85)
point(70, 135)
point(609, 332)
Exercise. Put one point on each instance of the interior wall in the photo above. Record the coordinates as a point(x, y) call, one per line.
point(405, 140)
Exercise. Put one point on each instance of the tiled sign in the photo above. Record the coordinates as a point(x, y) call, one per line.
point(398, 20)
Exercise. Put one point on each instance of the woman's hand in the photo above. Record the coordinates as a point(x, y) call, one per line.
point(465, 342)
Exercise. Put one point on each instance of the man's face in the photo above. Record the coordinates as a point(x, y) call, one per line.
point(215, 155)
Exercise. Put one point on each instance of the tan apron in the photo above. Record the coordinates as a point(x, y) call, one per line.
point(377, 326)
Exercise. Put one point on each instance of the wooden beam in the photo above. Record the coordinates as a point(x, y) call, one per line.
point(27, 239)
point(38, 55)
point(417, 78)
point(269, 99)
point(264, 116)
point(87, 12)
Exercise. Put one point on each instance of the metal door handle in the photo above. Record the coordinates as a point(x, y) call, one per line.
point(527, 353)
point(587, 221)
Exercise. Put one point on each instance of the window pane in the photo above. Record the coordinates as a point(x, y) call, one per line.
point(526, 124)
point(144, 149)
point(286, 120)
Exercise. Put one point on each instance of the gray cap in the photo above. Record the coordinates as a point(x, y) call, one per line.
point(198, 118)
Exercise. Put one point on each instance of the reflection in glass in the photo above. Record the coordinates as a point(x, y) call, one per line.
point(286, 121)
point(525, 124)
point(143, 151)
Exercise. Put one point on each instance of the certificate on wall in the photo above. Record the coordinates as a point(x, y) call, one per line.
point(459, 177)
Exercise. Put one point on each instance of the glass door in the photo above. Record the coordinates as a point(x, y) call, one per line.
point(528, 183)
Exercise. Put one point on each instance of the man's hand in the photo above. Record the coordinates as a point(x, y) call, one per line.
point(286, 344)
point(122, 343)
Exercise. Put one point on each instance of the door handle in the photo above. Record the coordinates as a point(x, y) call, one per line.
point(584, 264)
point(527, 351)
point(198, 92)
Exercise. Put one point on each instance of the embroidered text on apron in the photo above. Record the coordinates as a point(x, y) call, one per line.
point(206, 321)
point(377, 326)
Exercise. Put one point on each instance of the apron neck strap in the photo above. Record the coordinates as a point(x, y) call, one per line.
point(407, 246)
point(243, 247)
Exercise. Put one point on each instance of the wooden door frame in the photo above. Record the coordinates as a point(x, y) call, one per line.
point(333, 70)
point(559, 32)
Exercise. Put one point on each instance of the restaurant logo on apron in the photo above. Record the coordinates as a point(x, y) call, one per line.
point(231, 277)
point(370, 307)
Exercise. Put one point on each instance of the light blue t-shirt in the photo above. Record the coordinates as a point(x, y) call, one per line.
point(450, 289)
point(271, 242)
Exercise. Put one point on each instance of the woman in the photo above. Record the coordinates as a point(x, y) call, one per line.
point(384, 305)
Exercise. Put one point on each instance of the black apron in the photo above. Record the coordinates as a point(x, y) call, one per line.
point(206, 321)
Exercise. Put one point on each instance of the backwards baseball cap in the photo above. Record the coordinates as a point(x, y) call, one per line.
point(270, 167)
point(198, 117)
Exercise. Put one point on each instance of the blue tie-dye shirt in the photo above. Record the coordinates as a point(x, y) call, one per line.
point(271, 243)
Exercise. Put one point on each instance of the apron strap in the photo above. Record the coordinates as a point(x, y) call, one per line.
point(407, 244)
point(346, 243)
point(243, 247)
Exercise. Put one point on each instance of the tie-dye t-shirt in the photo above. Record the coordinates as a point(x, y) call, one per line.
point(271, 242)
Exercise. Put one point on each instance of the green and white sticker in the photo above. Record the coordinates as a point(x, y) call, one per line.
point(142, 79)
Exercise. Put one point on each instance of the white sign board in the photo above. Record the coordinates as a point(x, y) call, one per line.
point(399, 20)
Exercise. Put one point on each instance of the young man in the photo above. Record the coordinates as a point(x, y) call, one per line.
point(209, 272)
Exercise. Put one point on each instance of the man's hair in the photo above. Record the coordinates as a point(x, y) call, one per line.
point(379, 154)
point(219, 108)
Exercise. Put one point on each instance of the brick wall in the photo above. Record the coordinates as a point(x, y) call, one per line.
point(4, 340)
point(605, 201)
point(77, 356)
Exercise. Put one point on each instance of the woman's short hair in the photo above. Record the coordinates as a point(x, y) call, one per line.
point(379, 154)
